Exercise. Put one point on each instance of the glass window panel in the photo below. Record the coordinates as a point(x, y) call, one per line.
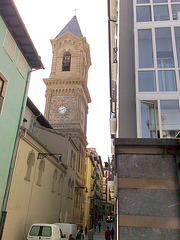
point(46, 231)
point(175, 0)
point(146, 59)
point(176, 11)
point(143, 1)
point(148, 120)
point(167, 81)
point(143, 14)
point(177, 37)
point(160, 1)
point(161, 13)
point(170, 117)
point(34, 231)
point(165, 57)
point(147, 81)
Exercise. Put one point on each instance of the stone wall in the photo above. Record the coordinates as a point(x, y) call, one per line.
point(148, 188)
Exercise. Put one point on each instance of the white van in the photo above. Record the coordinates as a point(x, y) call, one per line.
point(67, 229)
point(44, 231)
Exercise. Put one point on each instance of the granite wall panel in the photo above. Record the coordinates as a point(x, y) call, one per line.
point(149, 202)
point(146, 166)
point(136, 233)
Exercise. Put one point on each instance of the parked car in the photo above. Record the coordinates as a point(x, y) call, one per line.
point(67, 229)
point(109, 219)
point(44, 231)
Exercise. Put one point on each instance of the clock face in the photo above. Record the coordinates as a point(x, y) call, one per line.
point(62, 109)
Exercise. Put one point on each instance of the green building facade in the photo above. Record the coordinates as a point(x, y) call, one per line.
point(18, 57)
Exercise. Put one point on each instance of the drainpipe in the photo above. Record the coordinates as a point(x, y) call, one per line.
point(13, 158)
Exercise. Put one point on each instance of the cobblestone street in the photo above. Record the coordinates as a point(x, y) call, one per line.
point(100, 235)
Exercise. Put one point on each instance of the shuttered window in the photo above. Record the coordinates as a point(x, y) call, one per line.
point(9, 45)
point(1, 92)
point(21, 64)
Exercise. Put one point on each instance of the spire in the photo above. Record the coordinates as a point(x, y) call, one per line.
point(73, 27)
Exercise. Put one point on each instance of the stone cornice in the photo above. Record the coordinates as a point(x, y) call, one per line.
point(64, 87)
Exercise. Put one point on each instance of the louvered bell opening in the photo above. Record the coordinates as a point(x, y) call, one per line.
point(66, 63)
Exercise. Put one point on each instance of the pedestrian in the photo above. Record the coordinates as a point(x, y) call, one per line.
point(107, 234)
point(71, 237)
point(80, 235)
point(95, 226)
point(99, 225)
point(86, 230)
point(112, 233)
point(90, 234)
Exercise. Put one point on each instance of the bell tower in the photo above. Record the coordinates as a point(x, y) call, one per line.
point(67, 95)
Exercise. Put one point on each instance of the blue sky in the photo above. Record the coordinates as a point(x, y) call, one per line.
point(44, 19)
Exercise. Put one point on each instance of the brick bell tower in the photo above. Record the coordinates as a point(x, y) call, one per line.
point(67, 95)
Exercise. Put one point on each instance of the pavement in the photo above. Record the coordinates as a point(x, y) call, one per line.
point(100, 235)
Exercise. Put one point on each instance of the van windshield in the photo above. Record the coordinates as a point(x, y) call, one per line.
point(44, 231)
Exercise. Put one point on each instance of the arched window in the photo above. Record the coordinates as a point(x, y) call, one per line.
point(80, 197)
point(72, 189)
point(54, 181)
point(74, 161)
point(30, 164)
point(60, 184)
point(69, 188)
point(41, 170)
point(66, 64)
point(79, 162)
point(71, 160)
point(76, 198)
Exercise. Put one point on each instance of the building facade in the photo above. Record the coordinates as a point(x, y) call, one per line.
point(18, 57)
point(43, 186)
point(144, 93)
point(96, 187)
point(145, 63)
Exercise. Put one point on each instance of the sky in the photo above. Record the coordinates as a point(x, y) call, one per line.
point(44, 19)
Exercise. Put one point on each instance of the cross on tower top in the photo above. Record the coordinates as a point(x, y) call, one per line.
point(75, 10)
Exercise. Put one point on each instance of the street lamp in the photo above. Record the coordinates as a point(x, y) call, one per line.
point(43, 155)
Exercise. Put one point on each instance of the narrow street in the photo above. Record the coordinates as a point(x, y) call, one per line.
point(100, 235)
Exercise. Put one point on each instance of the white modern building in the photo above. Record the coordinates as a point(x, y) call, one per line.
point(144, 41)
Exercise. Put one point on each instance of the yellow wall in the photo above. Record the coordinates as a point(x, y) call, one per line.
point(86, 218)
point(28, 202)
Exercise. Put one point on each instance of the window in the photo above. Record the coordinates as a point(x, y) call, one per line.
point(3, 88)
point(147, 81)
point(161, 13)
point(1, 91)
point(30, 164)
point(21, 64)
point(54, 181)
point(160, 1)
point(167, 81)
point(74, 161)
point(146, 59)
point(149, 121)
point(60, 184)
point(72, 189)
point(44, 231)
point(176, 11)
point(170, 117)
point(71, 160)
point(9, 45)
point(41, 170)
point(69, 188)
point(177, 38)
point(165, 57)
point(143, 14)
point(66, 62)
point(143, 1)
